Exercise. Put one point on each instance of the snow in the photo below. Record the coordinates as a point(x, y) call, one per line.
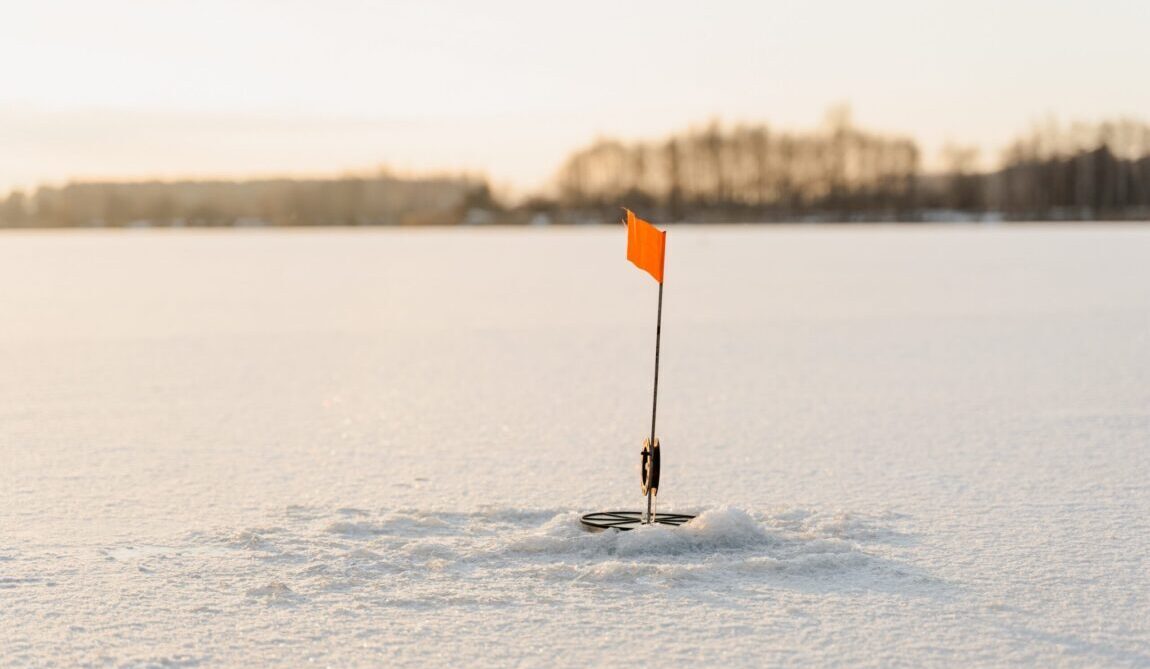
point(912, 446)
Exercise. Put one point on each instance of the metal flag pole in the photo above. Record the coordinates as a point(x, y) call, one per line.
point(655, 399)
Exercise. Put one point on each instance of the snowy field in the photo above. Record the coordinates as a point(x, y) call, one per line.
point(909, 446)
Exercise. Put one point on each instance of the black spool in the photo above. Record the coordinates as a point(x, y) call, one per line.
point(649, 467)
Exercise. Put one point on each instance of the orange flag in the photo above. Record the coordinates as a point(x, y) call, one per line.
point(646, 245)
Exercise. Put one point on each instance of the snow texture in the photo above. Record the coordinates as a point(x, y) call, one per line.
point(908, 447)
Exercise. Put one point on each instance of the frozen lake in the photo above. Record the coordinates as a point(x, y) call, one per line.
point(909, 445)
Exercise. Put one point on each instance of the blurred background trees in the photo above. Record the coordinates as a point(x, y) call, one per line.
point(382, 199)
point(748, 171)
point(709, 173)
point(1081, 171)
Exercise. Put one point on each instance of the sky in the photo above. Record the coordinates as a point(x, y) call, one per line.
point(126, 89)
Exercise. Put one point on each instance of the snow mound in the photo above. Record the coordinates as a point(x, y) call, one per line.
point(419, 557)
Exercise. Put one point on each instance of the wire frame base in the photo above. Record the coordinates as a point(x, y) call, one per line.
point(628, 520)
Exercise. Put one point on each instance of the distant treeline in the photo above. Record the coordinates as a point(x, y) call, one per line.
point(843, 173)
point(382, 199)
point(1083, 171)
point(748, 172)
point(709, 174)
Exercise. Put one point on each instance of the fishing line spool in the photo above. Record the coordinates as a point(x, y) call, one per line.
point(649, 467)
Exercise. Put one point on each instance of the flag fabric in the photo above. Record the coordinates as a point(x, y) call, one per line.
point(646, 245)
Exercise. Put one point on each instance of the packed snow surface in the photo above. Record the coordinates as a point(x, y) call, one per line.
point(907, 446)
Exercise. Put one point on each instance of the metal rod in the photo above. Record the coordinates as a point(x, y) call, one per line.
point(655, 397)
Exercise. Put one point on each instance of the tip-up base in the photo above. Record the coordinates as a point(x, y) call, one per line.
point(627, 520)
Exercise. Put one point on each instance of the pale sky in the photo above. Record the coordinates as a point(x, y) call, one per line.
point(158, 88)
